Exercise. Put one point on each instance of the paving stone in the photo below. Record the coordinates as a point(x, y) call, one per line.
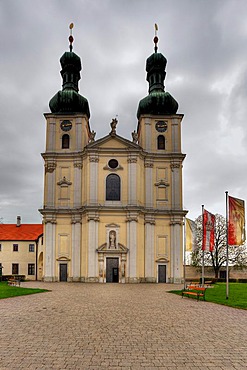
point(118, 326)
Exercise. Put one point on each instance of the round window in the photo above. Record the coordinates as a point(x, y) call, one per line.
point(113, 163)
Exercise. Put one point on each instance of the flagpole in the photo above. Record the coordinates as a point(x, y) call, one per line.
point(184, 251)
point(202, 247)
point(227, 252)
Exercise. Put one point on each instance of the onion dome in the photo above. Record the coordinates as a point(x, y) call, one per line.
point(158, 102)
point(69, 100)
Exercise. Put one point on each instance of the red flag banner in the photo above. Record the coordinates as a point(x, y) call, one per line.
point(208, 231)
point(236, 221)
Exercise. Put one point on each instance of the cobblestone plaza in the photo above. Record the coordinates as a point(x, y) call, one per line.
point(119, 326)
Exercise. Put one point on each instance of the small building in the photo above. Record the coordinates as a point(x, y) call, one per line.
point(21, 249)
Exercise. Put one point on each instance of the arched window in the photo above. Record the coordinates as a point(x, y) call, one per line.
point(161, 142)
point(113, 187)
point(65, 141)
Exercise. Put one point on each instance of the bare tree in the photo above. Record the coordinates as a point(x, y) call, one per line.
point(237, 255)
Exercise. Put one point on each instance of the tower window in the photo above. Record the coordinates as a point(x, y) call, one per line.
point(161, 142)
point(65, 141)
point(113, 187)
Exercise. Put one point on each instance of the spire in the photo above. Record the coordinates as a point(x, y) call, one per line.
point(155, 37)
point(71, 38)
point(158, 101)
point(69, 100)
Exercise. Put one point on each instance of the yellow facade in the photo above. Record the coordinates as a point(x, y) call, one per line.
point(113, 208)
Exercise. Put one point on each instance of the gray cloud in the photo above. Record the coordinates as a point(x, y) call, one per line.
point(206, 73)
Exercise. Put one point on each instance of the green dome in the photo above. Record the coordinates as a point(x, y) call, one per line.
point(69, 100)
point(156, 61)
point(70, 59)
point(157, 103)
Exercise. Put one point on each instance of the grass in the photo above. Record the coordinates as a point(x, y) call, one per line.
point(237, 296)
point(7, 291)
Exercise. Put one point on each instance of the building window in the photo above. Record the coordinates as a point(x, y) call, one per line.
point(15, 268)
point(31, 247)
point(65, 141)
point(113, 163)
point(31, 269)
point(15, 247)
point(161, 142)
point(113, 187)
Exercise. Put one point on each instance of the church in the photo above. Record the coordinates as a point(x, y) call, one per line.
point(113, 208)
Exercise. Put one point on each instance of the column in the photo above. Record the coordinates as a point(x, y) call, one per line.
point(76, 247)
point(149, 248)
point(93, 220)
point(50, 252)
point(50, 183)
point(176, 251)
point(51, 139)
point(176, 186)
point(77, 183)
point(132, 172)
point(132, 219)
point(176, 147)
point(78, 134)
point(148, 135)
point(148, 183)
point(93, 175)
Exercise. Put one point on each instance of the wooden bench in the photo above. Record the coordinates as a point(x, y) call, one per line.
point(208, 284)
point(14, 282)
point(196, 291)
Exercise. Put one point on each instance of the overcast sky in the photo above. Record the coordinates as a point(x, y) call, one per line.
point(205, 43)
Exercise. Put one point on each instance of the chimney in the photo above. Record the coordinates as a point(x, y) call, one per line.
point(18, 221)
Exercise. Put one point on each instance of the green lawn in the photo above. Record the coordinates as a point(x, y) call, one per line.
point(237, 294)
point(7, 291)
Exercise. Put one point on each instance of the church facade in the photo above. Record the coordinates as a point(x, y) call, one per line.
point(113, 208)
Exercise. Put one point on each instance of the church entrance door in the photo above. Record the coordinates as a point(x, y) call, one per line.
point(162, 274)
point(63, 272)
point(112, 270)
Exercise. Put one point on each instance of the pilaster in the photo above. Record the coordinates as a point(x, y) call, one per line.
point(148, 183)
point(176, 251)
point(93, 220)
point(76, 247)
point(149, 248)
point(176, 185)
point(93, 175)
point(132, 220)
point(77, 183)
point(132, 172)
point(50, 250)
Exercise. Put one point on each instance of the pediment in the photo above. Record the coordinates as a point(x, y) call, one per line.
point(162, 259)
point(63, 258)
point(119, 249)
point(112, 225)
point(113, 141)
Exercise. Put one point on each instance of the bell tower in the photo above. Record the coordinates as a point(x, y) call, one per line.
point(159, 134)
point(67, 133)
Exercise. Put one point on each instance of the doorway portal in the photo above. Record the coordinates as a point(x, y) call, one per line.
point(63, 267)
point(161, 273)
point(112, 270)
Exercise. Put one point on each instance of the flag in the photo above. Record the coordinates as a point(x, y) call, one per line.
point(236, 221)
point(208, 231)
point(190, 232)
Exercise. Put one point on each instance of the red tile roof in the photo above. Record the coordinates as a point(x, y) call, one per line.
point(22, 232)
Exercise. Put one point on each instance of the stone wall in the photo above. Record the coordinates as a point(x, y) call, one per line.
point(195, 272)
